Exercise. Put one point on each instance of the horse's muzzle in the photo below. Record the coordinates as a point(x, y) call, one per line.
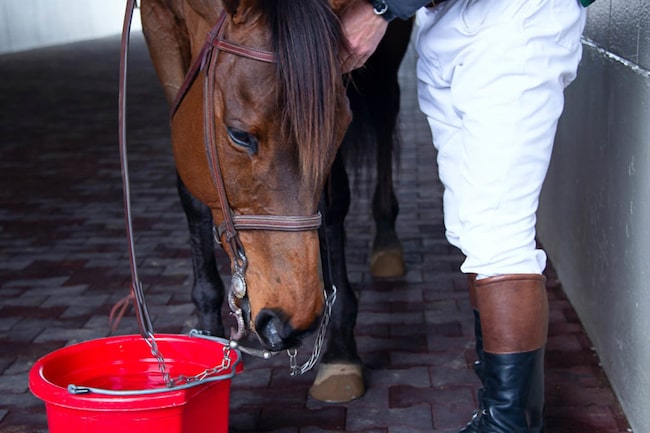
point(274, 329)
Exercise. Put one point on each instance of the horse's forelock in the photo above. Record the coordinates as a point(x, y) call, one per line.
point(306, 36)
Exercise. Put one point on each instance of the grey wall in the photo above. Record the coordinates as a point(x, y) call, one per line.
point(594, 218)
point(26, 24)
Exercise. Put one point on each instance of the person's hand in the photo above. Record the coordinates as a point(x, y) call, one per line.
point(363, 30)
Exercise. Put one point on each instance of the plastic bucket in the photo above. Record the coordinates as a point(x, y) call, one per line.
point(122, 390)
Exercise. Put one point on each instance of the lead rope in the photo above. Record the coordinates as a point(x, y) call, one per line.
point(137, 293)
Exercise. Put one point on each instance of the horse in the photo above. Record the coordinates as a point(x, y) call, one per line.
point(259, 111)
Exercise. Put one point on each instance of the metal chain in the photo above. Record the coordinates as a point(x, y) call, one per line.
point(226, 363)
point(318, 344)
point(153, 346)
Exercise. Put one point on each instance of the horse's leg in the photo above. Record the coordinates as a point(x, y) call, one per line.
point(387, 256)
point(340, 377)
point(382, 93)
point(374, 99)
point(208, 289)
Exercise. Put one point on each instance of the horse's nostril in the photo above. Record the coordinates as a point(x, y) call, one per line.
point(274, 330)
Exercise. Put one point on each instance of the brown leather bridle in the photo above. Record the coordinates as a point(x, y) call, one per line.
point(227, 232)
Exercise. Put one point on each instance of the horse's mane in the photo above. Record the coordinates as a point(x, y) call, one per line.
point(307, 35)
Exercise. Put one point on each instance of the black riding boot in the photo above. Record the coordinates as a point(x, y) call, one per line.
point(514, 318)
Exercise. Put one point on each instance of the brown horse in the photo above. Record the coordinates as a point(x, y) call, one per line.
point(279, 117)
point(254, 135)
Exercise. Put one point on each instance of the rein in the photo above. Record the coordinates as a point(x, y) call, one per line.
point(227, 231)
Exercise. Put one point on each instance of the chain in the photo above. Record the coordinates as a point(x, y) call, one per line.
point(318, 344)
point(153, 346)
point(293, 361)
point(224, 371)
point(226, 363)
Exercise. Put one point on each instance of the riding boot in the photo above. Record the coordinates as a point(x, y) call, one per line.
point(478, 364)
point(514, 318)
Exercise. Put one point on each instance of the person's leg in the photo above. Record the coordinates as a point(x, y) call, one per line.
point(491, 80)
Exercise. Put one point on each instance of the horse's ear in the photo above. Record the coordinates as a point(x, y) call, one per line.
point(240, 10)
point(338, 5)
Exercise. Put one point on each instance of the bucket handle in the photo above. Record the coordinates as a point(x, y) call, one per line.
point(77, 390)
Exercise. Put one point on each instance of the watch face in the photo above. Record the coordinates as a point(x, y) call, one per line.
point(380, 6)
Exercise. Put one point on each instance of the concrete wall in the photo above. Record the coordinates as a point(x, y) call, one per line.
point(594, 218)
point(27, 24)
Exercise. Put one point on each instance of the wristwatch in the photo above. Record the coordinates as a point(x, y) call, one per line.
point(380, 7)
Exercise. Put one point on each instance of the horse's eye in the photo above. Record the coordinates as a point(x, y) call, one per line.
point(243, 139)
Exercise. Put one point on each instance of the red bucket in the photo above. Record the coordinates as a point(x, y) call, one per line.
point(114, 385)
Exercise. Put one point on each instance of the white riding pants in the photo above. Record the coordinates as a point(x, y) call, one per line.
point(491, 79)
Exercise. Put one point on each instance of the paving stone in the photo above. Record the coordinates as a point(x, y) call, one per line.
point(70, 336)
point(443, 377)
point(411, 417)
point(6, 323)
point(13, 383)
point(416, 376)
point(21, 399)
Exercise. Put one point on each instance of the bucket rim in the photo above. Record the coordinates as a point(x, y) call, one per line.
point(74, 395)
point(77, 390)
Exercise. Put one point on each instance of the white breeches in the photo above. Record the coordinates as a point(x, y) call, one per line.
point(491, 79)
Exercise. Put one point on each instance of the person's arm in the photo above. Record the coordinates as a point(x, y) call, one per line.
point(363, 30)
point(364, 23)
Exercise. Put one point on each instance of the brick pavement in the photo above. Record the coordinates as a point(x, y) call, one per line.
point(63, 264)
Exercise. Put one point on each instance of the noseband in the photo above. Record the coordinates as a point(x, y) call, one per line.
point(227, 232)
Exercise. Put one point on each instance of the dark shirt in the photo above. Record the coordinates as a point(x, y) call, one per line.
point(405, 9)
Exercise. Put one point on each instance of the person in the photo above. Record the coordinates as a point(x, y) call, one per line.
point(491, 78)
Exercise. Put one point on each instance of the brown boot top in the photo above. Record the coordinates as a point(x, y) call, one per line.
point(514, 312)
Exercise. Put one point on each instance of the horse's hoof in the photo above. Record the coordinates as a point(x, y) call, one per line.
point(387, 263)
point(338, 383)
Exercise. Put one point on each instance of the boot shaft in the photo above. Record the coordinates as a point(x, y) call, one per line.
point(513, 393)
point(513, 311)
point(511, 326)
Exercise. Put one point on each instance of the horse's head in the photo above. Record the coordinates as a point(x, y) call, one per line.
point(272, 128)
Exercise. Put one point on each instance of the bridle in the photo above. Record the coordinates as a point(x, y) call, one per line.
point(226, 234)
